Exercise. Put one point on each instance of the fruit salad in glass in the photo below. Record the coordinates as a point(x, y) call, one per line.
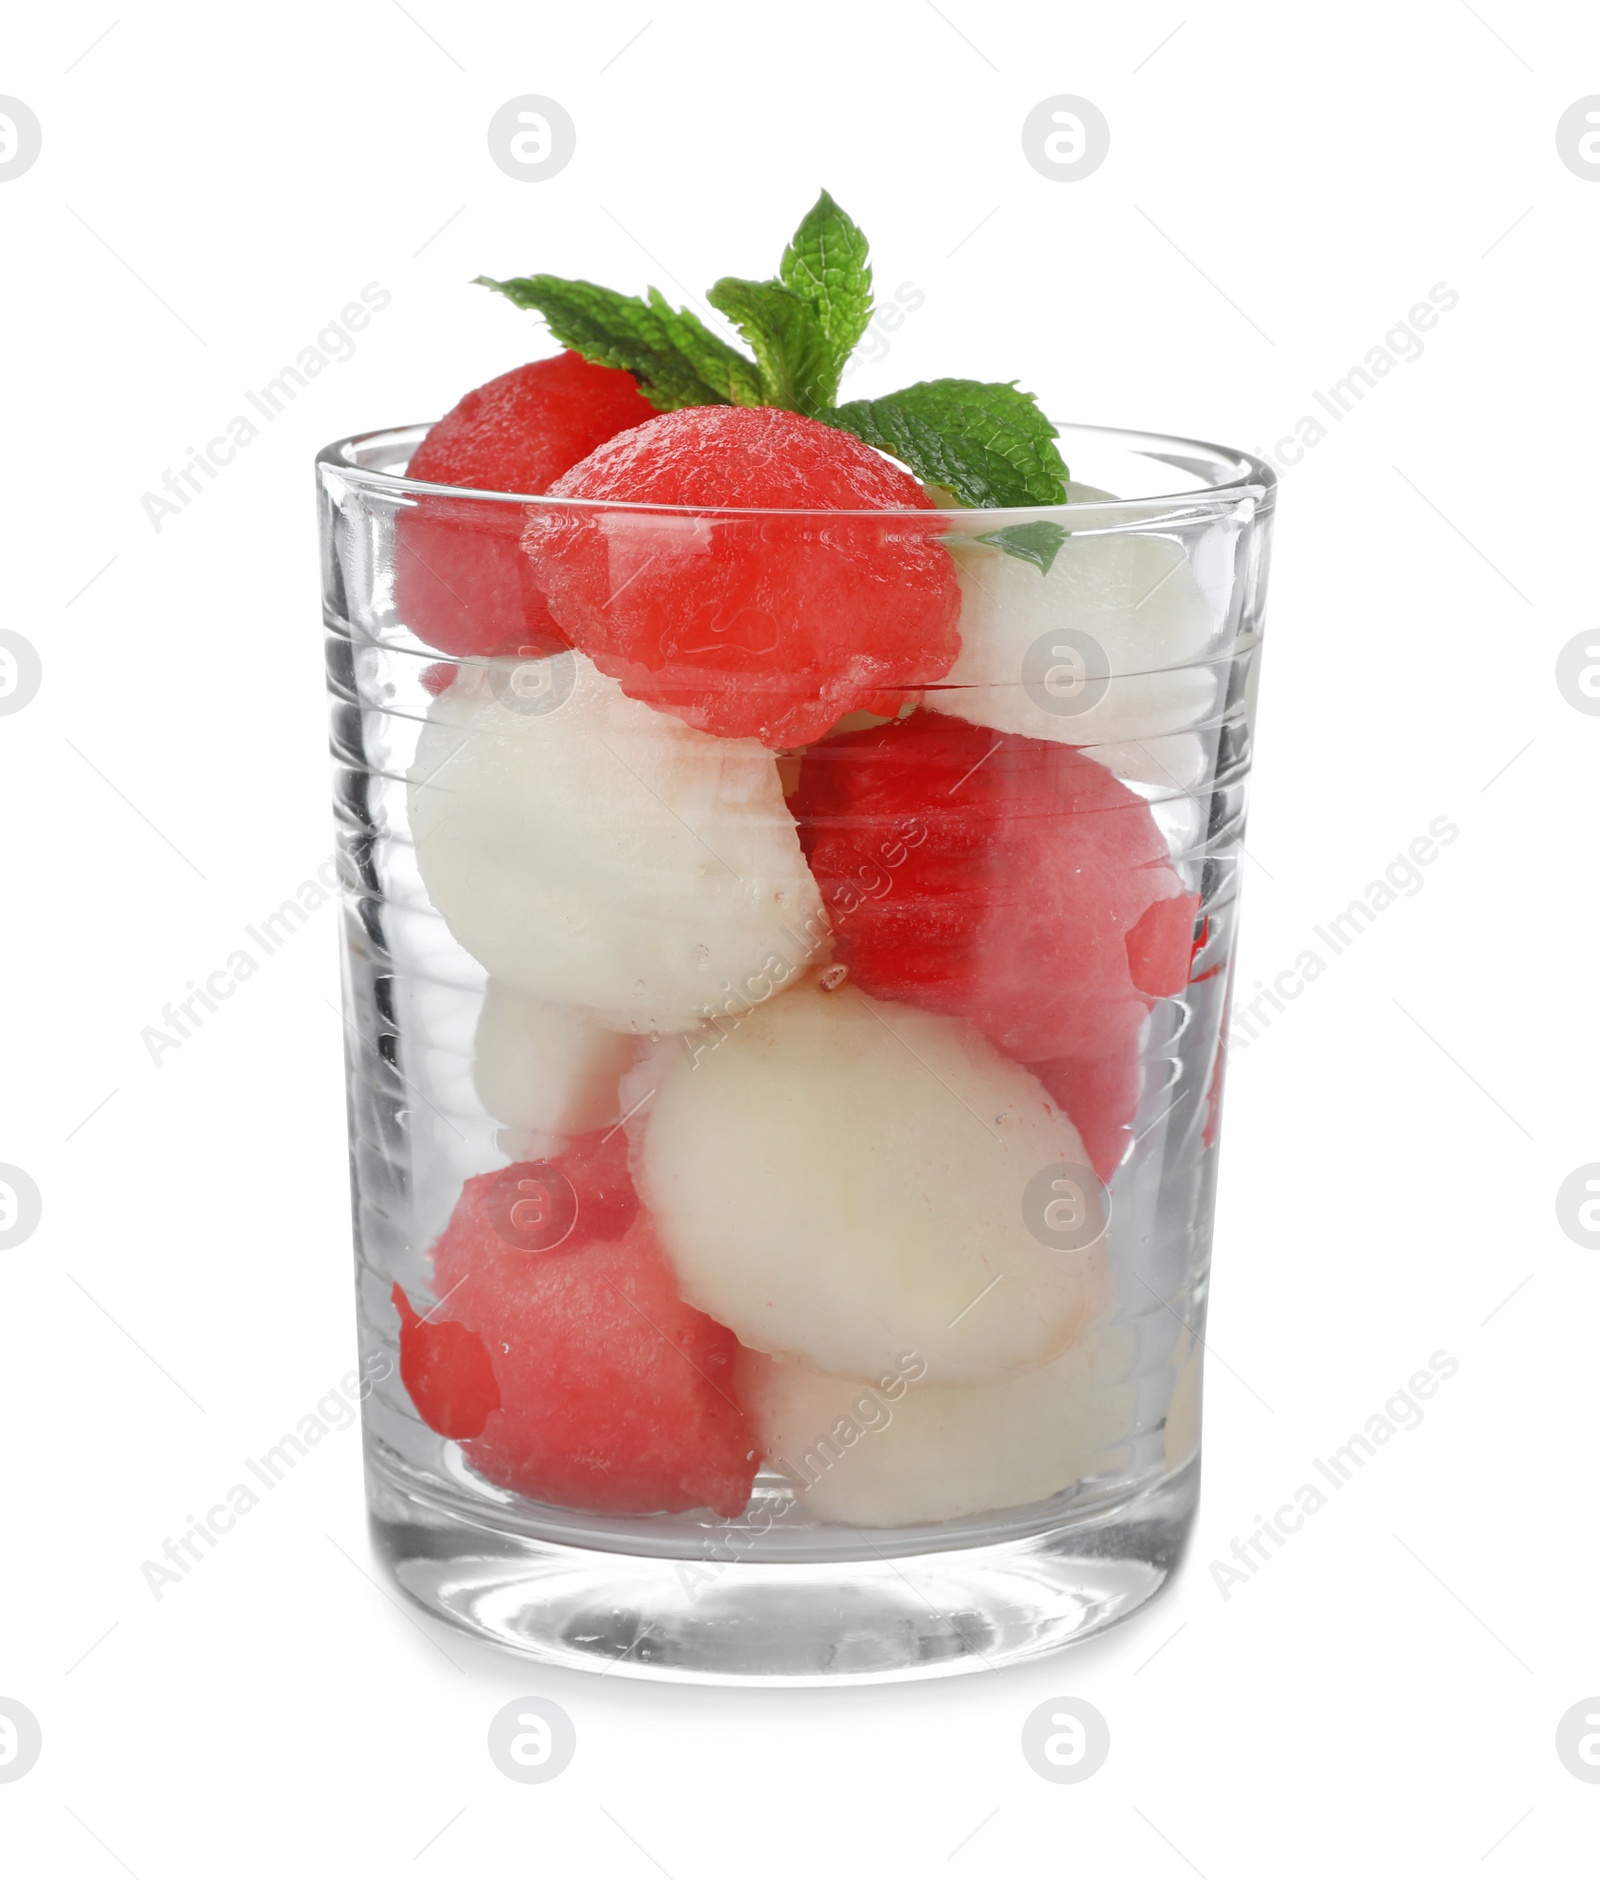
point(790, 858)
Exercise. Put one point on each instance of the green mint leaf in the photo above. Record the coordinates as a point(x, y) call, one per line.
point(826, 265)
point(989, 444)
point(1038, 542)
point(792, 352)
point(676, 359)
point(721, 366)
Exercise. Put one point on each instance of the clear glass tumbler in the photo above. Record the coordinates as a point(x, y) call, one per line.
point(784, 1102)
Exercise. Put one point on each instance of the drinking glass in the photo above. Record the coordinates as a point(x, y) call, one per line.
point(783, 1171)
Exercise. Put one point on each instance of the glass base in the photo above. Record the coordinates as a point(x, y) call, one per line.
point(860, 1621)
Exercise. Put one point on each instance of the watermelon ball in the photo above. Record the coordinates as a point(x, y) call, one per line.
point(461, 582)
point(1101, 1095)
point(897, 1451)
point(998, 878)
point(1009, 881)
point(764, 626)
point(612, 1395)
point(1148, 627)
point(592, 852)
point(844, 1182)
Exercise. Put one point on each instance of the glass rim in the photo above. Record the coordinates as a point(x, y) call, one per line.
point(1250, 482)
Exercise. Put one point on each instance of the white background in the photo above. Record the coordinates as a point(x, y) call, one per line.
point(1284, 182)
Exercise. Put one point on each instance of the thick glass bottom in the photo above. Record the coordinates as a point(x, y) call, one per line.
point(878, 1616)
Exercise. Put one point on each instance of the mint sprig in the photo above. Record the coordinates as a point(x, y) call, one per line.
point(677, 360)
point(793, 355)
point(826, 265)
point(989, 444)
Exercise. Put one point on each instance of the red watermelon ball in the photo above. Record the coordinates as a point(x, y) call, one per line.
point(606, 1392)
point(1002, 879)
point(461, 582)
point(1101, 1095)
point(771, 626)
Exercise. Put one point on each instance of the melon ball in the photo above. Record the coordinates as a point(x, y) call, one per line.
point(1183, 1414)
point(591, 851)
point(844, 1181)
point(547, 1069)
point(898, 1451)
point(1180, 762)
point(1146, 618)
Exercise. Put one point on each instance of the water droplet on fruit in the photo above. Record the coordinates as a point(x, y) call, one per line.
point(833, 978)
